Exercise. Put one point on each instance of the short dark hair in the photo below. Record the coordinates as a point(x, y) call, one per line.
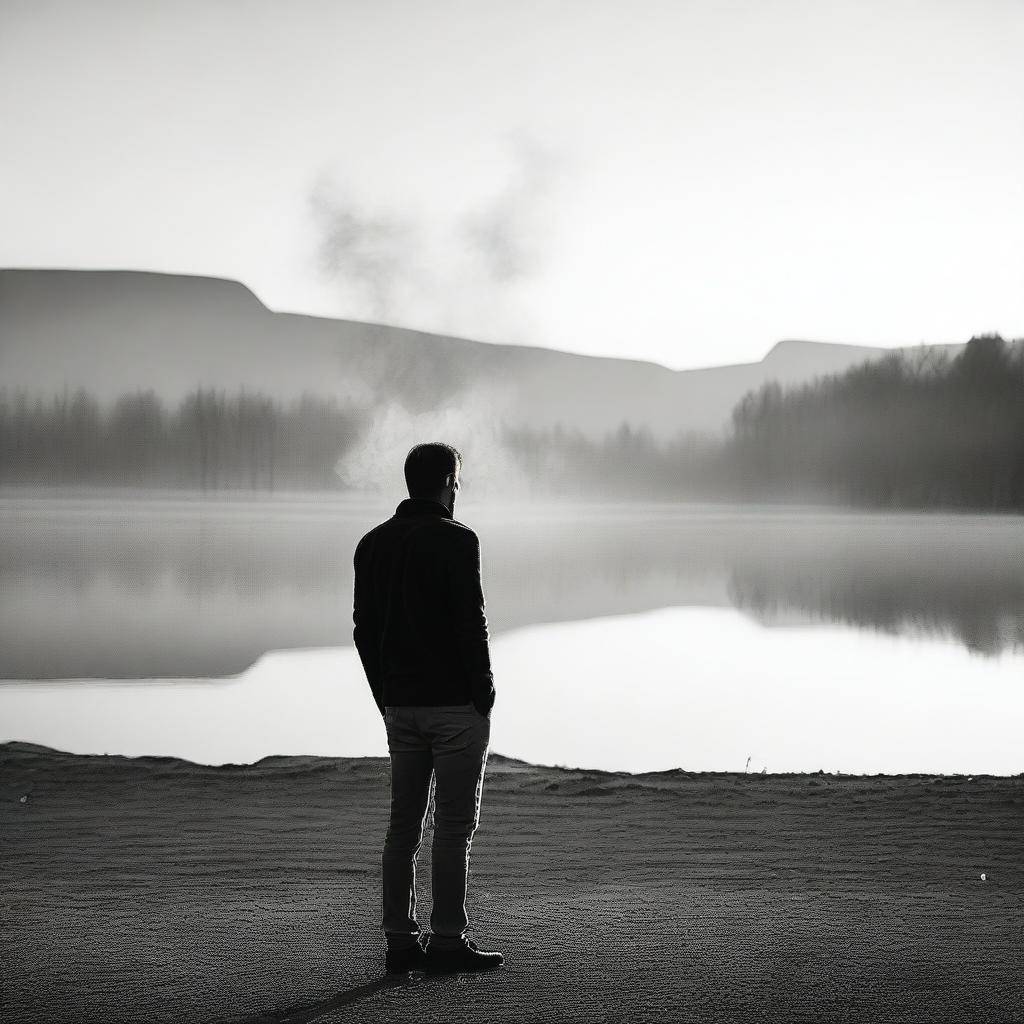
point(427, 465)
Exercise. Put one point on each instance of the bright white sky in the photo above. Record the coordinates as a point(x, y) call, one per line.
point(687, 182)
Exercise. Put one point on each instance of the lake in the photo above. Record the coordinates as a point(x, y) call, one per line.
point(777, 638)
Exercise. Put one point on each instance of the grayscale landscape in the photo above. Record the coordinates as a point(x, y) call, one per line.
point(720, 306)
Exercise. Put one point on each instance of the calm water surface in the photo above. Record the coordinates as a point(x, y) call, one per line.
point(626, 637)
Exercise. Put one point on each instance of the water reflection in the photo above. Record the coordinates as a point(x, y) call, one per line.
point(692, 688)
point(183, 587)
point(942, 577)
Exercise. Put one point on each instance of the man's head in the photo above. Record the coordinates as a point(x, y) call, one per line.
point(432, 471)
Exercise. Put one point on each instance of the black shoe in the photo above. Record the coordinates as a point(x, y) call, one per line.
point(401, 961)
point(465, 958)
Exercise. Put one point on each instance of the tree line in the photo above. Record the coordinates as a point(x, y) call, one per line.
point(918, 430)
point(627, 463)
point(910, 430)
point(210, 441)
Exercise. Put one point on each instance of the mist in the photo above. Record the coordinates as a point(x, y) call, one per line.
point(463, 269)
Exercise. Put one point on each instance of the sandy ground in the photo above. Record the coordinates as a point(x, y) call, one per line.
point(153, 889)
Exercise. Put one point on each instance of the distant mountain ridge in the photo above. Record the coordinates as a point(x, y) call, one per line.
point(116, 331)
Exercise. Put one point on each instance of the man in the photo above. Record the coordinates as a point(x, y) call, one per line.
point(421, 633)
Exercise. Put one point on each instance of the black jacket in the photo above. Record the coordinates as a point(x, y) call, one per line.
point(419, 612)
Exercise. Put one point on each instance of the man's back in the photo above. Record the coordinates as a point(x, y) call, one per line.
point(419, 610)
point(421, 631)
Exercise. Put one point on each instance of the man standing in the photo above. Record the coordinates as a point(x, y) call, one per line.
point(421, 633)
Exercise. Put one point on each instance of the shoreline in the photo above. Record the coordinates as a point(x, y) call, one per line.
point(496, 760)
point(540, 504)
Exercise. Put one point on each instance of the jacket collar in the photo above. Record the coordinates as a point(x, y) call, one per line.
point(422, 506)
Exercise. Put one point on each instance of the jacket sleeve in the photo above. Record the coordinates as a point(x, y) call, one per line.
point(470, 612)
point(365, 631)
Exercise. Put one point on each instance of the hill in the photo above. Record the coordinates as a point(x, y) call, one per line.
point(115, 331)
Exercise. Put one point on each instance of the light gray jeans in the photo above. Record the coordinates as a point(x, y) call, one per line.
point(448, 743)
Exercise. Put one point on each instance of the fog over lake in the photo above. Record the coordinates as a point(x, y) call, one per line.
point(624, 636)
